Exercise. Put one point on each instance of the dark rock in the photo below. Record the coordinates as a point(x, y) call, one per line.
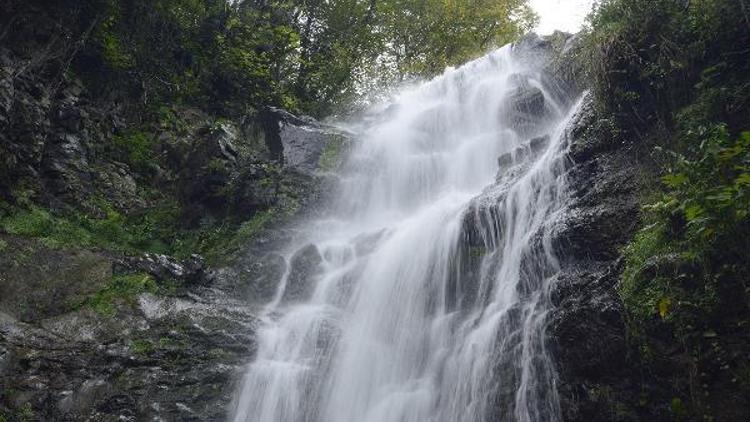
point(39, 283)
point(205, 169)
point(192, 270)
point(505, 160)
point(592, 134)
point(587, 331)
point(588, 325)
point(300, 140)
point(170, 359)
point(535, 146)
point(302, 146)
point(525, 107)
point(303, 269)
point(264, 276)
point(528, 101)
point(116, 182)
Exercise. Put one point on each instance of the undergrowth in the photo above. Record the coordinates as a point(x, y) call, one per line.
point(674, 76)
point(157, 230)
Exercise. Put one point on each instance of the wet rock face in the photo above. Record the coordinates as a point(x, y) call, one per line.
point(534, 147)
point(165, 359)
point(300, 140)
point(302, 146)
point(190, 271)
point(166, 356)
point(587, 332)
point(263, 277)
point(589, 328)
point(526, 107)
point(301, 281)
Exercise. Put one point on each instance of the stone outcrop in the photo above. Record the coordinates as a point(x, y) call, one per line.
point(172, 351)
point(587, 331)
point(190, 271)
point(300, 283)
point(161, 356)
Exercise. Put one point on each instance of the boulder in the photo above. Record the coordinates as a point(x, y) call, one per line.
point(304, 268)
point(302, 140)
point(264, 276)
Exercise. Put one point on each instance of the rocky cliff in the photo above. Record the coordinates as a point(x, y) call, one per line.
point(97, 325)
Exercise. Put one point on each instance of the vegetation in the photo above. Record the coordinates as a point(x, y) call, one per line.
point(121, 288)
point(157, 231)
point(674, 76)
point(666, 70)
point(141, 346)
point(238, 56)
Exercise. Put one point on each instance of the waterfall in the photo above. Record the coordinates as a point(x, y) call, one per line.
point(422, 294)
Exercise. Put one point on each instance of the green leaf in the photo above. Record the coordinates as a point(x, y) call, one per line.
point(675, 180)
point(693, 212)
point(665, 304)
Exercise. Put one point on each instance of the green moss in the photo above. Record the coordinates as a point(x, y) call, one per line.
point(217, 353)
point(122, 288)
point(677, 407)
point(51, 230)
point(136, 147)
point(642, 293)
point(141, 346)
point(151, 231)
point(227, 242)
point(692, 106)
point(169, 343)
point(112, 48)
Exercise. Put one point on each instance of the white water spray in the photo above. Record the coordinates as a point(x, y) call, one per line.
point(429, 299)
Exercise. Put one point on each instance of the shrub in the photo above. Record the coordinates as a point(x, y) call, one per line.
point(136, 148)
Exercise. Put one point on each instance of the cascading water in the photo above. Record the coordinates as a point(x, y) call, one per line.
point(428, 299)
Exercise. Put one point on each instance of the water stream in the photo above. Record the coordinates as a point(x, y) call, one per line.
point(425, 288)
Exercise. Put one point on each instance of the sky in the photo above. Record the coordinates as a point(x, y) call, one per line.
point(565, 15)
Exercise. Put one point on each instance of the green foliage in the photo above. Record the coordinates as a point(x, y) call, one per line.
point(121, 288)
point(157, 230)
point(348, 46)
point(427, 36)
point(677, 407)
point(51, 230)
point(220, 242)
point(700, 222)
point(136, 148)
point(76, 229)
point(25, 413)
point(112, 50)
point(646, 56)
point(671, 76)
point(646, 288)
point(709, 188)
point(235, 56)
